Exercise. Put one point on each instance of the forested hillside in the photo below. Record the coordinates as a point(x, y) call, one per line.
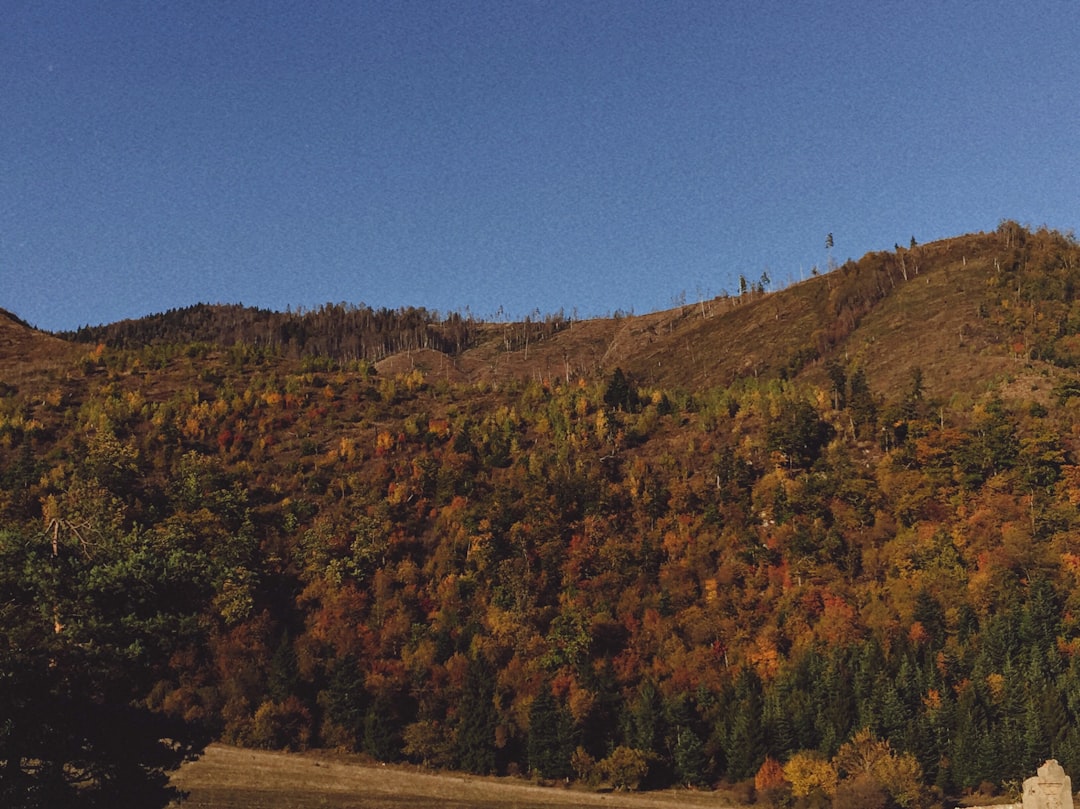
point(822, 541)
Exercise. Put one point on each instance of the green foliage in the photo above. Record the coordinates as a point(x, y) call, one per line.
point(551, 742)
point(797, 432)
point(476, 720)
point(79, 642)
point(619, 394)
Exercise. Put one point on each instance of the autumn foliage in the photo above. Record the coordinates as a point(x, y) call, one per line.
point(833, 590)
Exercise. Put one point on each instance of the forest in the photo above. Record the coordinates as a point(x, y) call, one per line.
point(825, 581)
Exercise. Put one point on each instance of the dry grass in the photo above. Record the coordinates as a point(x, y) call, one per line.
point(233, 778)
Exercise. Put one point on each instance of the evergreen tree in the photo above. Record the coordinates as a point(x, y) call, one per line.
point(1041, 622)
point(835, 701)
point(81, 640)
point(382, 729)
point(619, 393)
point(646, 719)
point(688, 758)
point(347, 701)
point(600, 731)
point(476, 719)
point(550, 736)
point(284, 675)
point(745, 745)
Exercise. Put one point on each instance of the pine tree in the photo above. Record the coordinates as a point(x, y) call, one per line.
point(550, 736)
point(688, 758)
point(476, 719)
point(746, 745)
point(284, 675)
point(382, 738)
point(81, 638)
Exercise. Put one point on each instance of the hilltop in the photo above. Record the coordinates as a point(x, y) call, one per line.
point(940, 307)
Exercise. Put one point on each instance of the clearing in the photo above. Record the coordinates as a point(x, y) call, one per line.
point(232, 778)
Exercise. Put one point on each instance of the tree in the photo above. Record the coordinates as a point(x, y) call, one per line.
point(346, 701)
point(809, 772)
point(745, 745)
point(382, 737)
point(625, 768)
point(688, 756)
point(839, 383)
point(80, 644)
point(770, 784)
point(550, 740)
point(619, 394)
point(476, 719)
point(862, 404)
point(797, 432)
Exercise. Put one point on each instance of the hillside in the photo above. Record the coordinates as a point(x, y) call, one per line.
point(938, 307)
point(753, 541)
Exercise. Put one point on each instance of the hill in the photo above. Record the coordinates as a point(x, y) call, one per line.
point(753, 541)
point(940, 307)
point(26, 354)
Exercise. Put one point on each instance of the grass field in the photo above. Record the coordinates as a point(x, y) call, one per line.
point(233, 778)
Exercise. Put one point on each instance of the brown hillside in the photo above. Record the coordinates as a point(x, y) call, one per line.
point(935, 307)
point(26, 352)
point(887, 313)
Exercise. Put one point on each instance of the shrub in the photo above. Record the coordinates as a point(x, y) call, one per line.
point(625, 768)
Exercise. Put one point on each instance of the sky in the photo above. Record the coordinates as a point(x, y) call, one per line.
point(510, 158)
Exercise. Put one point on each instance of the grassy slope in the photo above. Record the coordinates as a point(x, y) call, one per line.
point(233, 778)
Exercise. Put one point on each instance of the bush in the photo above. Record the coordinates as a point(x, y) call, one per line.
point(429, 742)
point(625, 768)
point(584, 766)
point(861, 792)
point(281, 725)
point(808, 773)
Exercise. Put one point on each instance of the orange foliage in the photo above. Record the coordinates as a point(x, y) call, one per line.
point(838, 625)
point(770, 776)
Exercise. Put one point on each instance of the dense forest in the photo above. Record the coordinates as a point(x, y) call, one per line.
point(823, 582)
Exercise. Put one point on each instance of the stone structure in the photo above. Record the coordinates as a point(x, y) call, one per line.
point(1050, 789)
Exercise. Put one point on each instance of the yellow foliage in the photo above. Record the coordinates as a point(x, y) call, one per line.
point(414, 380)
point(602, 425)
point(580, 701)
point(866, 755)
point(808, 772)
point(384, 442)
point(710, 590)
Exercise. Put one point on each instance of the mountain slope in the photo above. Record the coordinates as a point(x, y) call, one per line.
point(926, 307)
point(768, 534)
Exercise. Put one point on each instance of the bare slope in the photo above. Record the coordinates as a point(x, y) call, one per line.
point(889, 313)
point(25, 352)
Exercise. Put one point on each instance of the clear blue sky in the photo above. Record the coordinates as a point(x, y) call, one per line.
point(588, 156)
